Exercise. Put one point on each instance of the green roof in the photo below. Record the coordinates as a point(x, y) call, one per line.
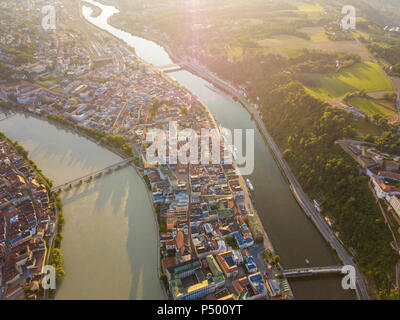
point(219, 276)
point(183, 267)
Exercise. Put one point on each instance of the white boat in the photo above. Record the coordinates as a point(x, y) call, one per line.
point(251, 188)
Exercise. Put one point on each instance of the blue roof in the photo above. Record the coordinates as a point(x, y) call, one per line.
point(251, 267)
point(208, 227)
point(249, 259)
point(182, 196)
point(257, 281)
point(274, 285)
point(248, 240)
point(16, 240)
point(238, 237)
point(256, 277)
point(229, 260)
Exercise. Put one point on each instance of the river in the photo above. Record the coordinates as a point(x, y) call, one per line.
point(110, 235)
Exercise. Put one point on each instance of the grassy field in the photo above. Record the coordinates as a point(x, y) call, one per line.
point(235, 54)
point(317, 34)
point(371, 108)
point(389, 104)
point(365, 76)
point(288, 44)
point(284, 41)
point(310, 8)
point(364, 127)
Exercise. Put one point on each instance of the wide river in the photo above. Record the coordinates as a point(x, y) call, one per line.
point(110, 235)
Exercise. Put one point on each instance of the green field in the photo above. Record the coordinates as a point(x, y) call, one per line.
point(370, 108)
point(310, 8)
point(389, 104)
point(365, 127)
point(365, 76)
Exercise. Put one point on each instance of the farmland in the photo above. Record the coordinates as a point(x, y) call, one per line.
point(318, 41)
point(365, 76)
point(371, 108)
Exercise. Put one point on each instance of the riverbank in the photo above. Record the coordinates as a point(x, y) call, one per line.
point(150, 196)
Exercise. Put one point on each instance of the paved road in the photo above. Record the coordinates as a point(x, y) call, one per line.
point(257, 251)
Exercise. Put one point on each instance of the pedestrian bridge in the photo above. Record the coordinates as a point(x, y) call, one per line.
point(90, 176)
point(303, 272)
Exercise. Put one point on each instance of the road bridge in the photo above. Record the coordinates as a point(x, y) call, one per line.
point(173, 70)
point(173, 67)
point(90, 176)
point(168, 66)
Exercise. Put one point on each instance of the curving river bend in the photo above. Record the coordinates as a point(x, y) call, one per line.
point(110, 235)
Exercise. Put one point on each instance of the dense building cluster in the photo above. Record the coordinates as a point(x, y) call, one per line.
point(26, 222)
point(211, 239)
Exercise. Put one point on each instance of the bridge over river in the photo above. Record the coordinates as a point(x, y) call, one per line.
point(173, 67)
point(303, 272)
point(90, 176)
